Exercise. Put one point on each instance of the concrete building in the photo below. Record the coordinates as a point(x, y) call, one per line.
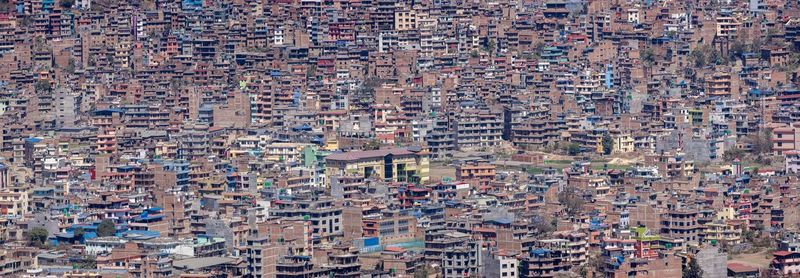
point(713, 261)
point(398, 165)
point(325, 217)
point(481, 172)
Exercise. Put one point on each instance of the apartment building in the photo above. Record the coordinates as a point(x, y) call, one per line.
point(398, 165)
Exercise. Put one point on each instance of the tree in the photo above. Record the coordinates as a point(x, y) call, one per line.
point(573, 149)
point(421, 273)
point(733, 154)
point(648, 57)
point(86, 263)
point(42, 86)
point(79, 233)
point(737, 49)
point(761, 142)
point(490, 45)
point(692, 270)
point(699, 57)
point(372, 145)
point(608, 143)
point(703, 55)
point(311, 71)
point(38, 236)
point(106, 228)
point(571, 199)
point(66, 4)
point(755, 47)
point(541, 225)
point(70, 66)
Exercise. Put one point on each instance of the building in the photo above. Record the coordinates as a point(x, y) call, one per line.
point(483, 173)
point(681, 224)
point(541, 262)
point(5, 176)
point(792, 161)
point(324, 216)
point(397, 165)
point(785, 138)
point(785, 262)
point(478, 129)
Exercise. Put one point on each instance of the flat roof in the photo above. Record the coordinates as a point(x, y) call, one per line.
point(200, 263)
point(356, 155)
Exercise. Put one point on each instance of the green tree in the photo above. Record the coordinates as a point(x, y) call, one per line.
point(737, 49)
point(372, 145)
point(311, 71)
point(573, 149)
point(490, 45)
point(106, 228)
point(70, 66)
point(38, 236)
point(421, 273)
point(66, 4)
point(692, 270)
point(714, 56)
point(86, 263)
point(608, 143)
point(648, 57)
point(42, 86)
point(704, 55)
point(698, 56)
point(79, 233)
point(733, 154)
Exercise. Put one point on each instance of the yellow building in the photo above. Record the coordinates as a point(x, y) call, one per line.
point(405, 20)
point(396, 165)
point(721, 233)
point(727, 213)
point(14, 202)
point(623, 143)
point(289, 152)
point(331, 144)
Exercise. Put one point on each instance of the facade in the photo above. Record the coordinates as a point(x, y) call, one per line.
point(483, 173)
point(388, 164)
point(792, 161)
point(785, 139)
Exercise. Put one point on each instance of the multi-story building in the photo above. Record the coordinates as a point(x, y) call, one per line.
point(792, 161)
point(390, 226)
point(483, 173)
point(671, 164)
point(398, 165)
point(325, 217)
point(478, 129)
point(785, 138)
point(542, 262)
point(681, 224)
